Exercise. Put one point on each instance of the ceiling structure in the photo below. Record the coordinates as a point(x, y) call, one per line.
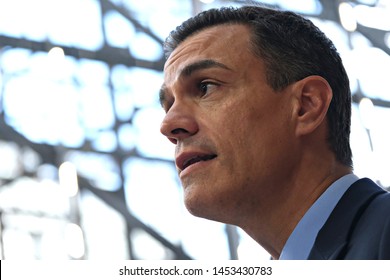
point(99, 112)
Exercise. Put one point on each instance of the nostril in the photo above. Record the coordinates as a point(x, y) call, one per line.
point(176, 134)
point(178, 131)
point(173, 140)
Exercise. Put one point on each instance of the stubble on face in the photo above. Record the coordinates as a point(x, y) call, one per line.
point(240, 122)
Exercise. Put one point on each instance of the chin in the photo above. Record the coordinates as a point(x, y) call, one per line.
point(193, 203)
point(206, 208)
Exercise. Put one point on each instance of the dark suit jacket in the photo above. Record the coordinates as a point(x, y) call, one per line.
point(359, 226)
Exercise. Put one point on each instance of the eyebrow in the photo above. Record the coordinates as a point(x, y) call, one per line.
point(189, 69)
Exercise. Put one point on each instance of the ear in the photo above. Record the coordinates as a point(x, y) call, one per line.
point(313, 95)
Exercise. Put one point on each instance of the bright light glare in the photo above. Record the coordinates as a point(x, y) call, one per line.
point(56, 57)
point(56, 63)
point(347, 17)
point(366, 108)
point(74, 240)
point(56, 53)
point(68, 178)
point(374, 17)
point(9, 165)
point(301, 6)
point(18, 245)
point(387, 40)
point(207, 1)
point(249, 250)
point(147, 248)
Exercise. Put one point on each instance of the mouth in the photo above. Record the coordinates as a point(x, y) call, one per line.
point(186, 160)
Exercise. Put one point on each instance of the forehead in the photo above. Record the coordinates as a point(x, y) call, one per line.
point(223, 52)
point(226, 42)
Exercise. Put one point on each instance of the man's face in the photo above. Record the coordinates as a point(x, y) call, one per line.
point(231, 130)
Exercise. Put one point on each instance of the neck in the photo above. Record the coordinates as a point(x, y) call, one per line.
point(272, 224)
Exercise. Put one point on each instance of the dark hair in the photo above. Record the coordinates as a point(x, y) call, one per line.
point(292, 48)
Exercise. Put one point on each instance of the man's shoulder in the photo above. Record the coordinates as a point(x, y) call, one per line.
point(367, 188)
point(377, 204)
point(358, 227)
point(370, 237)
point(378, 210)
point(381, 203)
point(380, 198)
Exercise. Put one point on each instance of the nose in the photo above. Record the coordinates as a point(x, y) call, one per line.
point(179, 123)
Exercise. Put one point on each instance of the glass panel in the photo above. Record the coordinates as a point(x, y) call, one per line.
point(79, 82)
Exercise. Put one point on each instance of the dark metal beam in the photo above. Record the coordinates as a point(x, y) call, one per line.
point(376, 36)
point(356, 98)
point(108, 54)
point(47, 153)
point(126, 13)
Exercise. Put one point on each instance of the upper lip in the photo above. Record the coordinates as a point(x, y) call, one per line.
point(185, 159)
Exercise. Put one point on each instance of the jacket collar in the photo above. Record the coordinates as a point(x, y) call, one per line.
point(333, 238)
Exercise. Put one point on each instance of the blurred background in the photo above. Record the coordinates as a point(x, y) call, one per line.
point(84, 171)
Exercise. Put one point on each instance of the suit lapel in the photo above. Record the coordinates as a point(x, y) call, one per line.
point(332, 240)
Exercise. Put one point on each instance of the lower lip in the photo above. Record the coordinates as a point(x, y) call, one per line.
point(193, 167)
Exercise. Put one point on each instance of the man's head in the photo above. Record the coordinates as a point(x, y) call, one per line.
point(246, 92)
point(292, 48)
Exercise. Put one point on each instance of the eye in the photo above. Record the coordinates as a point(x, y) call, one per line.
point(166, 104)
point(207, 87)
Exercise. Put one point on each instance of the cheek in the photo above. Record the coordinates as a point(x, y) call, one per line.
point(257, 139)
point(246, 129)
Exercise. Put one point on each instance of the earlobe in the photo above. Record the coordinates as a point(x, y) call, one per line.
point(313, 95)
